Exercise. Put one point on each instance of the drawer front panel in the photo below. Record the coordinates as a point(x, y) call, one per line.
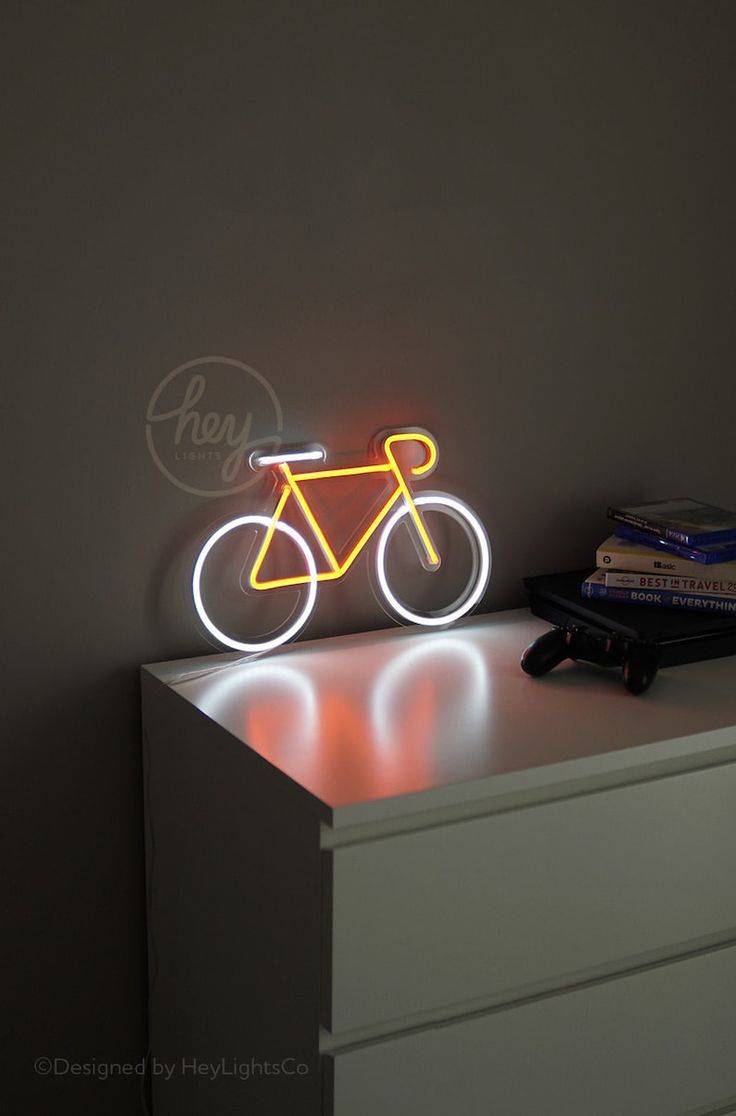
point(484, 908)
point(656, 1043)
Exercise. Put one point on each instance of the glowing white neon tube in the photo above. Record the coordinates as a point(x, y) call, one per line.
point(301, 619)
point(257, 459)
point(470, 520)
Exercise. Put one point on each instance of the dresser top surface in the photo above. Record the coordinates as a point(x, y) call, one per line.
point(359, 721)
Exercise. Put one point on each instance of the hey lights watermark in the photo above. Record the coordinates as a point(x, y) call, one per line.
point(205, 417)
point(399, 507)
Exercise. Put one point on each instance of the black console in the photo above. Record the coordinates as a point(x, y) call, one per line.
point(635, 638)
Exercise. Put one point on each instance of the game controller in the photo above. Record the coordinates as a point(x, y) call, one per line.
point(639, 659)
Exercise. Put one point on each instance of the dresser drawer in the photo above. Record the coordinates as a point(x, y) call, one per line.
point(436, 919)
point(655, 1043)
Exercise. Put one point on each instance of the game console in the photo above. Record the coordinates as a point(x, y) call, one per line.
point(637, 639)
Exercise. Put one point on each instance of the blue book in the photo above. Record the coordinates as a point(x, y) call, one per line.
point(595, 587)
point(713, 552)
point(681, 520)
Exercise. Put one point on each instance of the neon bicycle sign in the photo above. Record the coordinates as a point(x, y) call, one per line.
point(400, 507)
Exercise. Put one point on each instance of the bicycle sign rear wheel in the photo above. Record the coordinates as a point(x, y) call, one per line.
point(478, 560)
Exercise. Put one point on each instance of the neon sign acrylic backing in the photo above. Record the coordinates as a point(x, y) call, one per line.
point(314, 559)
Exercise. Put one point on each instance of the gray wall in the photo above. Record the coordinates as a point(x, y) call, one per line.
point(512, 223)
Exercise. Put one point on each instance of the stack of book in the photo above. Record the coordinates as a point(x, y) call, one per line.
point(675, 554)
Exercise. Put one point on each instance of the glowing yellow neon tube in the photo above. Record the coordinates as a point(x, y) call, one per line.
point(292, 483)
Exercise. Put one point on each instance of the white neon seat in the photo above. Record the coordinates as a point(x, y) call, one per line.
point(313, 453)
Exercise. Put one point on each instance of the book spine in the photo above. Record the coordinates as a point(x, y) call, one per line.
point(702, 538)
point(611, 559)
point(670, 534)
point(679, 536)
point(672, 583)
point(633, 534)
point(637, 521)
point(656, 598)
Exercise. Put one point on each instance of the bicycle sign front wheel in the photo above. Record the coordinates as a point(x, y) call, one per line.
point(241, 533)
point(474, 575)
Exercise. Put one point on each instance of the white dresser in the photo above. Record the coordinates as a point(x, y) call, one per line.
point(391, 874)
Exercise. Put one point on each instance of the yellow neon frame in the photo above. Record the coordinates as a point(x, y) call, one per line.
point(291, 484)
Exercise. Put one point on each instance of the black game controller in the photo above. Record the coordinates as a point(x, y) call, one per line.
point(638, 658)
